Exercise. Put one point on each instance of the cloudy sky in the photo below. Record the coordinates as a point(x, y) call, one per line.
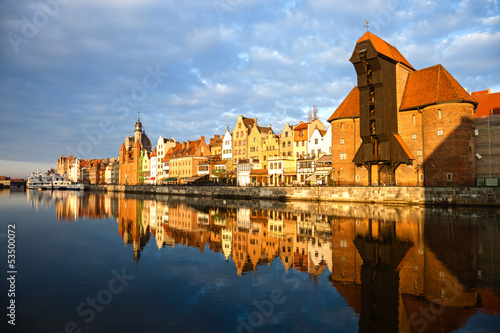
point(74, 74)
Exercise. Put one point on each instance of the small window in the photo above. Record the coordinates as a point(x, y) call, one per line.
point(414, 136)
point(440, 132)
point(449, 177)
point(419, 152)
point(341, 126)
point(414, 119)
point(342, 141)
point(330, 149)
point(315, 141)
point(343, 156)
point(357, 178)
point(440, 114)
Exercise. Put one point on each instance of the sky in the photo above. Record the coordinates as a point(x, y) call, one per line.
point(74, 75)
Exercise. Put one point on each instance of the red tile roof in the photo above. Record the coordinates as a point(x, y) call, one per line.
point(384, 48)
point(488, 103)
point(300, 126)
point(349, 108)
point(433, 85)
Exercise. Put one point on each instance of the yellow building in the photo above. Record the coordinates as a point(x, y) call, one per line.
point(255, 142)
point(270, 146)
point(286, 141)
point(240, 138)
point(185, 158)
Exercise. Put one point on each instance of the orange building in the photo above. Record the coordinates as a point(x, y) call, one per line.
point(402, 126)
point(130, 154)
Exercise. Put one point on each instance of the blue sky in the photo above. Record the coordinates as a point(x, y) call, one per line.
point(74, 74)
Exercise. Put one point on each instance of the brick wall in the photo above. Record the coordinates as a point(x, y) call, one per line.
point(346, 131)
point(453, 152)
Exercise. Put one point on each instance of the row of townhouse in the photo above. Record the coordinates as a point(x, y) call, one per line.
point(89, 171)
point(274, 159)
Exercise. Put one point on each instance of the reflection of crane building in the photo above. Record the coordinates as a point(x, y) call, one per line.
point(399, 271)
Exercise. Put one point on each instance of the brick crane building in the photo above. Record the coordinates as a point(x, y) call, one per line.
point(401, 126)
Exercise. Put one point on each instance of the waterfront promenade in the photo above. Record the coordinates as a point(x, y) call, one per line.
point(452, 196)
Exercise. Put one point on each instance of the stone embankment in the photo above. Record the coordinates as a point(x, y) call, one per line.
point(453, 196)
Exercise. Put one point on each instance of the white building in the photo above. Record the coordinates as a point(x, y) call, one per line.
point(315, 144)
point(227, 146)
point(162, 147)
point(154, 168)
point(74, 171)
point(244, 168)
point(327, 141)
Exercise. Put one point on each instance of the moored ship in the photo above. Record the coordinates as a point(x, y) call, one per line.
point(48, 181)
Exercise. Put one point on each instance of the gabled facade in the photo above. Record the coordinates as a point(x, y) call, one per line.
point(215, 145)
point(286, 141)
point(270, 145)
point(301, 139)
point(315, 144)
point(240, 137)
point(255, 143)
point(162, 147)
point(227, 146)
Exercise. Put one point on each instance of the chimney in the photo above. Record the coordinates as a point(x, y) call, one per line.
point(269, 125)
point(202, 138)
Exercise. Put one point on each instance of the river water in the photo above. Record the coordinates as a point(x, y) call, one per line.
point(93, 262)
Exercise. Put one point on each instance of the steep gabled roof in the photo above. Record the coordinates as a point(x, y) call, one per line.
point(349, 108)
point(488, 103)
point(265, 130)
point(433, 85)
point(249, 122)
point(167, 155)
point(384, 48)
point(122, 147)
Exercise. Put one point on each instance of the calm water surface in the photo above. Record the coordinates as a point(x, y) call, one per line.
point(89, 262)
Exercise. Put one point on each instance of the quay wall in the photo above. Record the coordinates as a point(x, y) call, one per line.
point(450, 196)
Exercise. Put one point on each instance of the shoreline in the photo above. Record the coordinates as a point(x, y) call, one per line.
point(387, 195)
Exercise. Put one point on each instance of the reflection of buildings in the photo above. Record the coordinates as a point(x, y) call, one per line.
point(417, 274)
point(400, 269)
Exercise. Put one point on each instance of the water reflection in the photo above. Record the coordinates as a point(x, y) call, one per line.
point(399, 268)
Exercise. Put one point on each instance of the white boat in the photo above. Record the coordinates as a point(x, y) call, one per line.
point(46, 181)
point(76, 187)
point(39, 181)
point(59, 182)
